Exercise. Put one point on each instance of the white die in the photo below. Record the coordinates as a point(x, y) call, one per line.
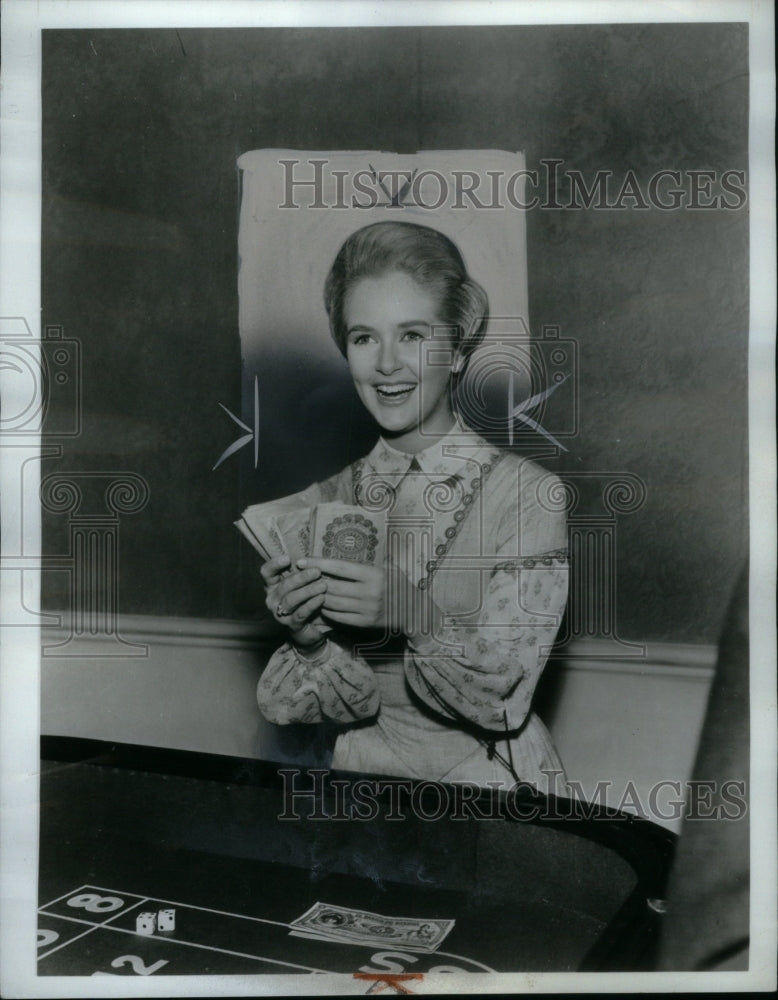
point(166, 920)
point(145, 923)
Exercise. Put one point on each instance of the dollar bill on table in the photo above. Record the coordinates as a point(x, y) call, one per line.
point(325, 922)
point(342, 531)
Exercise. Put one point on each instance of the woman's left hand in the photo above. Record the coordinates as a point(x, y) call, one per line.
point(356, 592)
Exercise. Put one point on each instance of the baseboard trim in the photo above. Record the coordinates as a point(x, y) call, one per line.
point(688, 660)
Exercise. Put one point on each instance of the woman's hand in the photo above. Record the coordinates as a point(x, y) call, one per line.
point(356, 593)
point(365, 596)
point(294, 598)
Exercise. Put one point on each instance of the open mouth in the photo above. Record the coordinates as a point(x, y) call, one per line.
point(396, 392)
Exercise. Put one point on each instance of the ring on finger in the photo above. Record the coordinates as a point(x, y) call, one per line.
point(281, 611)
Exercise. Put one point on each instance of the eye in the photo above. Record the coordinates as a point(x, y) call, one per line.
point(413, 335)
point(358, 339)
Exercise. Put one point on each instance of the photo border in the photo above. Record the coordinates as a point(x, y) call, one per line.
point(22, 24)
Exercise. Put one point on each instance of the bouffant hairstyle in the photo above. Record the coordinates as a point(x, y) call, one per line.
point(425, 255)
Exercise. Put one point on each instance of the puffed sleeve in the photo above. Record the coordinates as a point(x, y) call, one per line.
point(485, 671)
point(337, 685)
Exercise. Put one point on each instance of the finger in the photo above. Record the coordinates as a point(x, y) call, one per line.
point(297, 617)
point(293, 576)
point(344, 617)
point(283, 598)
point(288, 603)
point(295, 581)
point(306, 610)
point(341, 603)
point(297, 598)
point(344, 588)
point(341, 568)
point(273, 567)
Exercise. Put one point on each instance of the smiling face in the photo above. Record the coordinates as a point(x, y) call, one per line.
point(390, 322)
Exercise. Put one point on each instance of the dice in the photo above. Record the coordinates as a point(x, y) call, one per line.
point(146, 923)
point(166, 920)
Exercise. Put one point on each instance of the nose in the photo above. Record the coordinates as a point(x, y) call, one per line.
point(387, 361)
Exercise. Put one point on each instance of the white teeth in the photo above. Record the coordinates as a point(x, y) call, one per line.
point(395, 390)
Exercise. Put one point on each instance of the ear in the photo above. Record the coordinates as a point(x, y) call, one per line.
point(459, 362)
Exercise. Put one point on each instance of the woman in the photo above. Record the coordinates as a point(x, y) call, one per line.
point(434, 657)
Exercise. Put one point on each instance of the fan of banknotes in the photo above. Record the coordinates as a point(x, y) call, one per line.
point(325, 922)
point(294, 526)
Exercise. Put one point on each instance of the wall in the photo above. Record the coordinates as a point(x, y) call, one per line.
point(193, 687)
point(141, 132)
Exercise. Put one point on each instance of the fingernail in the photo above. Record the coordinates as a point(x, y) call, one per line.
point(302, 563)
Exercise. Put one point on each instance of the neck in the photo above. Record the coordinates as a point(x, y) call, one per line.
point(413, 441)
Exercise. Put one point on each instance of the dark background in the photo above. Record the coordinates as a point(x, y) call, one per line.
point(141, 131)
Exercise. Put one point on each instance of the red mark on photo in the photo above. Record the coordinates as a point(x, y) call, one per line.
point(395, 980)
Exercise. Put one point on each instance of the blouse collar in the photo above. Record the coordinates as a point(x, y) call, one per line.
point(447, 456)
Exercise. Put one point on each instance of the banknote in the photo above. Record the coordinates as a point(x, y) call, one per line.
point(263, 535)
point(342, 531)
point(294, 528)
point(281, 527)
point(257, 522)
point(326, 922)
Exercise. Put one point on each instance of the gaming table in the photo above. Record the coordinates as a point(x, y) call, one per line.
point(128, 829)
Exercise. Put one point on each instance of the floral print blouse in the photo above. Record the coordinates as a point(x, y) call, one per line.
point(484, 533)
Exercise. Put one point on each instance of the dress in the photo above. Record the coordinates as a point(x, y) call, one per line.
point(488, 541)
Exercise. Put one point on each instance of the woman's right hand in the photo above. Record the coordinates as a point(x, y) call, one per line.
point(294, 598)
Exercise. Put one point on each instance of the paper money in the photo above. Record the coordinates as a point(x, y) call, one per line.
point(258, 523)
point(337, 923)
point(294, 528)
point(265, 538)
point(281, 527)
point(342, 531)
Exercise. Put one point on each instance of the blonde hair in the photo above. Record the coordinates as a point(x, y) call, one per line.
point(425, 255)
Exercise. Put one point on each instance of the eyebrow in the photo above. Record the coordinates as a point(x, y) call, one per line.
point(407, 325)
